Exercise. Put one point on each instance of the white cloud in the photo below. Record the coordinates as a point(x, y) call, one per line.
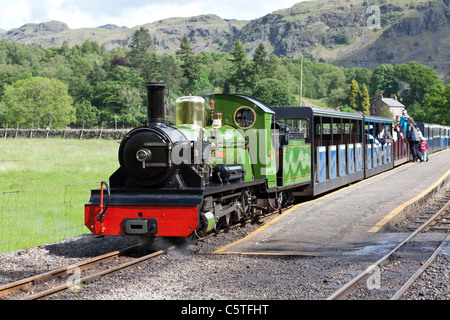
point(71, 14)
point(164, 10)
point(14, 13)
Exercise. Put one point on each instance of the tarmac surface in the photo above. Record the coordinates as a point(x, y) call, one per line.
point(354, 219)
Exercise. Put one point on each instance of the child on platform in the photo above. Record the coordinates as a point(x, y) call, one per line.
point(423, 147)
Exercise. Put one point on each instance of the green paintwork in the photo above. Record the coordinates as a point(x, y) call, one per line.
point(249, 143)
point(258, 136)
point(230, 148)
point(296, 162)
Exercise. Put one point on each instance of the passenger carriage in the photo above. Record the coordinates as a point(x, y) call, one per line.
point(337, 152)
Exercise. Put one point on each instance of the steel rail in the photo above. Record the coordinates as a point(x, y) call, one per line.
point(419, 272)
point(27, 283)
point(99, 274)
point(340, 293)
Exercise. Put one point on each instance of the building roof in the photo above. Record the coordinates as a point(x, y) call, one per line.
point(392, 102)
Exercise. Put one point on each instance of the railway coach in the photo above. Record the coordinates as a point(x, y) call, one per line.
point(346, 147)
point(436, 136)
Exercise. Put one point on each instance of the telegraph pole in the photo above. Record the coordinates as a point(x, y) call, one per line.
point(301, 81)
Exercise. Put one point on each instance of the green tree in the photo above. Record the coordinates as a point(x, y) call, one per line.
point(273, 92)
point(10, 74)
point(355, 96)
point(275, 69)
point(337, 98)
point(87, 115)
point(383, 81)
point(259, 62)
point(38, 102)
point(172, 73)
point(365, 100)
point(437, 104)
point(142, 55)
point(241, 80)
point(239, 58)
point(361, 75)
point(115, 98)
point(336, 79)
point(190, 64)
point(57, 67)
point(419, 78)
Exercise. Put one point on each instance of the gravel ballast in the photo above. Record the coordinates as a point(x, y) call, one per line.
point(193, 273)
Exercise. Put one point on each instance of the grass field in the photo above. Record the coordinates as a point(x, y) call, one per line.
point(44, 184)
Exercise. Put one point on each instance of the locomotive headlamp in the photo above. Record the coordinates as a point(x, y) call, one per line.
point(144, 155)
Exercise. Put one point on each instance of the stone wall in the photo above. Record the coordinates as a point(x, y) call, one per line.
point(106, 134)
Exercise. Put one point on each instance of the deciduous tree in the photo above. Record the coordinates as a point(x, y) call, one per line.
point(38, 102)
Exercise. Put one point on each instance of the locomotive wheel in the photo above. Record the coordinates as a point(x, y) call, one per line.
point(245, 202)
point(225, 221)
point(217, 227)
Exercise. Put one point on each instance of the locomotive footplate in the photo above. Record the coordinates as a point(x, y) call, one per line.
point(140, 226)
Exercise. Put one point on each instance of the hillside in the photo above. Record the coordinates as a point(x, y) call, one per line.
point(332, 31)
point(337, 32)
point(207, 32)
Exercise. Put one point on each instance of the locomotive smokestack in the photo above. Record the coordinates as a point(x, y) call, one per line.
point(155, 103)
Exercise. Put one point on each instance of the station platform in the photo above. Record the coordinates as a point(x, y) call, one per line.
point(349, 218)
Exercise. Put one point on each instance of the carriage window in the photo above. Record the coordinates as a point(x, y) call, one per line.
point(302, 125)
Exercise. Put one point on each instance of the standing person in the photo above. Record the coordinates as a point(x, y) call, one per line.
point(413, 135)
point(423, 147)
point(404, 120)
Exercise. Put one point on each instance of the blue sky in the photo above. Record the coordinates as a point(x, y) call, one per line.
point(94, 13)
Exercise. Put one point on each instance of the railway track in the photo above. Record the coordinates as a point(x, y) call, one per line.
point(367, 283)
point(70, 277)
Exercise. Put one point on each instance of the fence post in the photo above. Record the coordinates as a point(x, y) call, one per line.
point(6, 131)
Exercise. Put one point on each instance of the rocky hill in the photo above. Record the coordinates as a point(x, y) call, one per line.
point(206, 32)
point(332, 31)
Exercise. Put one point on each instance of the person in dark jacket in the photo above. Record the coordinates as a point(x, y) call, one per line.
point(413, 135)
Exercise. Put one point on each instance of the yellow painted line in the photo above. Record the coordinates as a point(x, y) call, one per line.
point(385, 220)
point(289, 253)
point(222, 249)
point(400, 208)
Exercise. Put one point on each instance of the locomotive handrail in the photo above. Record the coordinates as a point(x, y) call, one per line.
point(102, 207)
